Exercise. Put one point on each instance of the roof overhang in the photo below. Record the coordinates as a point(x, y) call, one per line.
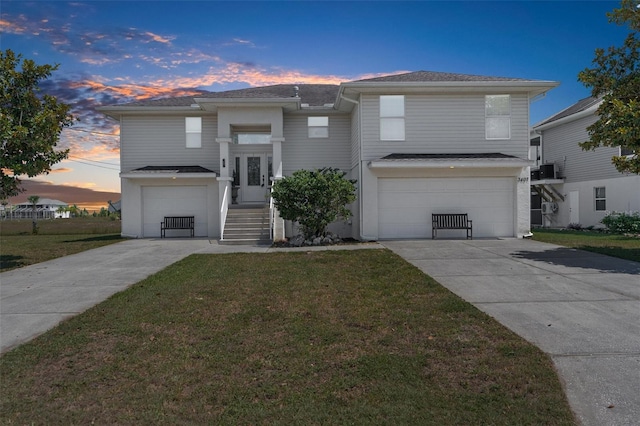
point(450, 162)
point(212, 104)
point(581, 114)
point(167, 175)
point(116, 111)
point(170, 172)
point(352, 90)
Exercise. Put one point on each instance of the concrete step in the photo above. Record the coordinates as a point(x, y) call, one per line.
point(247, 225)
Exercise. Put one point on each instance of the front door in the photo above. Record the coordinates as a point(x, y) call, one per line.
point(574, 207)
point(254, 186)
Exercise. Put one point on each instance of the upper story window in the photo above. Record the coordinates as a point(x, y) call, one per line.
point(193, 127)
point(392, 117)
point(624, 151)
point(318, 127)
point(252, 138)
point(497, 112)
point(600, 197)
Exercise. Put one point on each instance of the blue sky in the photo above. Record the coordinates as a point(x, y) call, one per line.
point(119, 51)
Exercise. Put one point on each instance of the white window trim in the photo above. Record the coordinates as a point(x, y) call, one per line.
point(596, 198)
point(399, 119)
point(487, 117)
point(317, 128)
point(193, 128)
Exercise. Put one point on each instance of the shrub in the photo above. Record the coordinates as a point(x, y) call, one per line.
point(622, 222)
point(314, 199)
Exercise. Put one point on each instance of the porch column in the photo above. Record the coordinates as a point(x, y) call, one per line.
point(278, 224)
point(276, 144)
point(225, 161)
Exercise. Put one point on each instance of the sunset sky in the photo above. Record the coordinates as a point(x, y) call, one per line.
point(114, 52)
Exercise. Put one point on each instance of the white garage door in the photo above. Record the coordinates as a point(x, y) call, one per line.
point(405, 206)
point(161, 201)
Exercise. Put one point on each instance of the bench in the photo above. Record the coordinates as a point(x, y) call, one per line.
point(177, 222)
point(451, 221)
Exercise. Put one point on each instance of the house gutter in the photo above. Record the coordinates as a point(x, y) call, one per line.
point(447, 164)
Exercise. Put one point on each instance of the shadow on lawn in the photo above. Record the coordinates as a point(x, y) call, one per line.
point(112, 237)
point(575, 258)
point(9, 261)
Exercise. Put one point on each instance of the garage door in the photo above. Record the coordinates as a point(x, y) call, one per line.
point(161, 201)
point(405, 205)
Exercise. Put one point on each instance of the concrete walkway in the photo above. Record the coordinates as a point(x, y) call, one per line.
point(581, 308)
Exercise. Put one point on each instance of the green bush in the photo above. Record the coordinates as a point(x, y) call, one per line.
point(622, 222)
point(314, 199)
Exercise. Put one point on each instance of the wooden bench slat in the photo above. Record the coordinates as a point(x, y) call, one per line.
point(177, 222)
point(451, 221)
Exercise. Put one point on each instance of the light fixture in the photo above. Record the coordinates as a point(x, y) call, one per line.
point(224, 164)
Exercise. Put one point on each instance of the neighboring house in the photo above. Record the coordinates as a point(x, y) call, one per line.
point(46, 208)
point(417, 143)
point(573, 186)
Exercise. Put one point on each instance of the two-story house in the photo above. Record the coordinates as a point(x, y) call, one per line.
point(417, 143)
point(573, 186)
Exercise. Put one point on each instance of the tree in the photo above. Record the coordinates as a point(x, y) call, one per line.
point(616, 78)
point(33, 199)
point(314, 199)
point(30, 123)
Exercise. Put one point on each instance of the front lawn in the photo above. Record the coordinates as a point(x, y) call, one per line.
point(624, 247)
point(56, 238)
point(332, 337)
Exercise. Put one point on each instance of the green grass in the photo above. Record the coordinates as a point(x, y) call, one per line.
point(345, 337)
point(623, 247)
point(56, 238)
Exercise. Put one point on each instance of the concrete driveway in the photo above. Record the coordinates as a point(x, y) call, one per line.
point(581, 308)
point(36, 298)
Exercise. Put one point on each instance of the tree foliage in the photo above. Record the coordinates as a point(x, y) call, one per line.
point(314, 199)
point(616, 78)
point(30, 123)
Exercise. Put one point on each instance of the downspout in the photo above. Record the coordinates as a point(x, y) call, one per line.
point(353, 101)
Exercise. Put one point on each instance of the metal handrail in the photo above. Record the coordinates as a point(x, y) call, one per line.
point(271, 214)
point(223, 210)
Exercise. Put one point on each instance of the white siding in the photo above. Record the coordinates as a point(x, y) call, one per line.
point(301, 152)
point(161, 140)
point(445, 124)
point(560, 146)
point(355, 136)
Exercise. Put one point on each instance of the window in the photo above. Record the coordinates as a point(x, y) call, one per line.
point(600, 196)
point(624, 151)
point(318, 127)
point(392, 117)
point(251, 138)
point(193, 126)
point(497, 111)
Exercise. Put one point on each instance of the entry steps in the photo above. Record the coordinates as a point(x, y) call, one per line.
point(247, 224)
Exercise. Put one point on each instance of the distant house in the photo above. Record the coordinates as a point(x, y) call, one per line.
point(572, 186)
point(46, 208)
point(417, 143)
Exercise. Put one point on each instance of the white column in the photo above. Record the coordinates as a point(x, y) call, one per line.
point(225, 161)
point(276, 144)
point(523, 203)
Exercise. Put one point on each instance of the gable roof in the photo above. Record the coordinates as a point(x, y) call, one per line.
point(431, 76)
point(582, 106)
point(311, 94)
point(327, 95)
